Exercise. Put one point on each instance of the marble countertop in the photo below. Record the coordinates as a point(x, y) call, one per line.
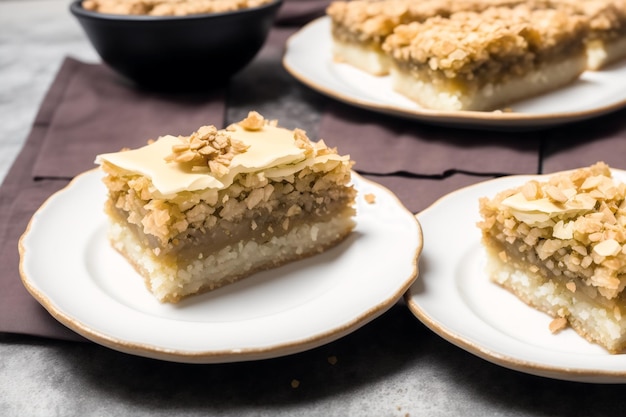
point(393, 366)
point(34, 39)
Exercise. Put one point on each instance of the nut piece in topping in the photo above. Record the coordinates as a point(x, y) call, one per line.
point(254, 121)
point(207, 148)
point(303, 142)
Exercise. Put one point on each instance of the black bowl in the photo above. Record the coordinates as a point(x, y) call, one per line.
point(178, 52)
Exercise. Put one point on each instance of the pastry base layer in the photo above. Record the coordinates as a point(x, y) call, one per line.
point(490, 96)
point(598, 322)
point(369, 59)
point(170, 283)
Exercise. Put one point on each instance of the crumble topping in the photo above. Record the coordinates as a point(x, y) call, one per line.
point(302, 141)
point(172, 187)
point(571, 226)
point(607, 18)
point(314, 192)
point(214, 149)
point(488, 44)
point(169, 7)
point(311, 148)
point(365, 20)
point(272, 151)
point(207, 148)
point(256, 122)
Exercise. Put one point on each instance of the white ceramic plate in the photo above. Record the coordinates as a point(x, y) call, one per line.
point(308, 58)
point(69, 267)
point(454, 297)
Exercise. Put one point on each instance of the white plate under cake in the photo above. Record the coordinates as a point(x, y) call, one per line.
point(559, 245)
point(309, 59)
point(479, 55)
point(455, 297)
point(68, 265)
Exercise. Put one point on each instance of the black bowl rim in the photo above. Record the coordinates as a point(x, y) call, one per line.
point(77, 9)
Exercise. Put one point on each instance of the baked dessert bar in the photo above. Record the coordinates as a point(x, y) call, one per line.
point(485, 60)
point(192, 213)
point(359, 27)
point(606, 41)
point(559, 245)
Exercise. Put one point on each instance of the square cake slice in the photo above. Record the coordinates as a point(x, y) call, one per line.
point(560, 246)
point(360, 27)
point(484, 61)
point(606, 40)
point(192, 213)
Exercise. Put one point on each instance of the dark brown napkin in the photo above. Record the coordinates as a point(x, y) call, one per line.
point(402, 146)
point(585, 143)
point(421, 162)
point(100, 113)
point(418, 193)
point(88, 110)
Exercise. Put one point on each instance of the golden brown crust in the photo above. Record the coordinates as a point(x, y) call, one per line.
point(469, 45)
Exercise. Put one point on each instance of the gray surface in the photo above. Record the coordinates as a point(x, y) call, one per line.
point(393, 366)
